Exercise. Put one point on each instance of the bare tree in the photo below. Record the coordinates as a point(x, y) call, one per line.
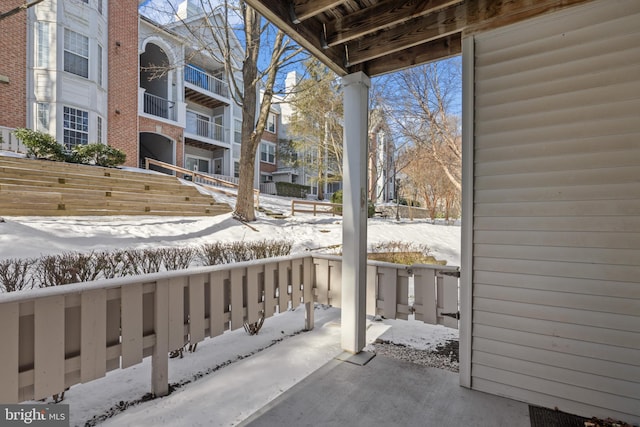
point(315, 126)
point(423, 102)
point(19, 9)
point(246, 60)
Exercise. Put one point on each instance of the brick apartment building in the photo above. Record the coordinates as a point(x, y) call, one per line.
point(85, 71)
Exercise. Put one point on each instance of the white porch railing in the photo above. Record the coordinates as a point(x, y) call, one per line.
point(205, 128)
point(9, 142)
point(56, 337)
point(205, 81)
point(160, 107)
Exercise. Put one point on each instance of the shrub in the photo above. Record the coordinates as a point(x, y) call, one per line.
point(40, 145)
point(98, 154)
point(225, 253)
point(399, 252)
point(337, 198)
point(15, 274)
point(178, 258)
point(288, 189)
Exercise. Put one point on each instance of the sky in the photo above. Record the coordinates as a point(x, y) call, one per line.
point(240, 373)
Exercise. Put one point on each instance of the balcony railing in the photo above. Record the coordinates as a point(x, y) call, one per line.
point(159, 107)
point(56, 337)
point(205, 128)
point(205, 81)
point(9, 142)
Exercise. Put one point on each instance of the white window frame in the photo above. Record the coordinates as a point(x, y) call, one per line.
point(42, 44)
point(100, 66)
point(271, 123)
point(99, 129)
point(267, 151)
point(237, 131)
point(76, 48)
point(198, 159)
point(72, 130)
point(43, 115)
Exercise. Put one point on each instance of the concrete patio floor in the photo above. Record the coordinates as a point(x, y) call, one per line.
point(387, 392)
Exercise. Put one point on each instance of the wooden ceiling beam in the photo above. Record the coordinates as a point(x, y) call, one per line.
point(307, 34)
point(428, 52)
point(304, 9)
point(413, 33)
point(472, 15)
point(381, 15)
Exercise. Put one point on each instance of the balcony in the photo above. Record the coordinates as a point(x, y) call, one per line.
point(203, 88)
point(159, 107)
point(205, 130)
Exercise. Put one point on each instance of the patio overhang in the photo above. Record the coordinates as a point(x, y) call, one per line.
point(382, 36)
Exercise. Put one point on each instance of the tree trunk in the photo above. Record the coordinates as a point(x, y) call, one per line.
point(244, 203)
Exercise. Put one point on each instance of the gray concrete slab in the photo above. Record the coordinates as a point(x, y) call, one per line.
point(387, 392)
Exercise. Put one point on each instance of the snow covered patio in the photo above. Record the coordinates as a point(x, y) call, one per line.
point(300, 381)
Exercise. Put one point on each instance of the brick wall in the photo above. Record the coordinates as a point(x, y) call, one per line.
point(170, 131)
point(13, 66)
point(122, 130)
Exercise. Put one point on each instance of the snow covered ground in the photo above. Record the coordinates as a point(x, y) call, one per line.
point(229, 377)
point(25, 237)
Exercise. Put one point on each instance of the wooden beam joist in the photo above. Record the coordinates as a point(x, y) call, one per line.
point(428, 52)
point(385, 14)
point(472, 14)
point(413, 33)
point(395, 34)
point(301, 10)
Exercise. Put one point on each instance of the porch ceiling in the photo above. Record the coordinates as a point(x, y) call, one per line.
point(382, 36)
point(201, 98)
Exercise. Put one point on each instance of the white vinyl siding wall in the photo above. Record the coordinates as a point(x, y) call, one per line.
point(556, 235)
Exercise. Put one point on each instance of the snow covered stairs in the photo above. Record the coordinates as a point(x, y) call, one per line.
point(44, 188)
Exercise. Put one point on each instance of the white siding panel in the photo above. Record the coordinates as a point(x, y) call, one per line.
point(558, 284)
point(585, 223)
point(558, 344)
point(556, 246)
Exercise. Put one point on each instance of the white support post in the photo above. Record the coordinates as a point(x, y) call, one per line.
point(354, 211)
point(466, 270)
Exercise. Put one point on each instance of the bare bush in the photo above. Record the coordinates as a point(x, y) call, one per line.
point(212, 253)
point(15, 274)
point(225, 253)
point(177, 258)
point(109, 263)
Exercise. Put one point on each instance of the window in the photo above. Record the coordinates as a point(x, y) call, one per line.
point(42, 41)
point(76, 53)
point(76, 127)
point(267, 153)
point(197, 164)
point(236, 169)
point(99, 130)
point(42, 116)
point(100, 7)
point(271, 123)
point(99, 65)
point(237, 131)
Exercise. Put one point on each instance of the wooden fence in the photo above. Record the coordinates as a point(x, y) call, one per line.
point(56, 337)
point(316, 207)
